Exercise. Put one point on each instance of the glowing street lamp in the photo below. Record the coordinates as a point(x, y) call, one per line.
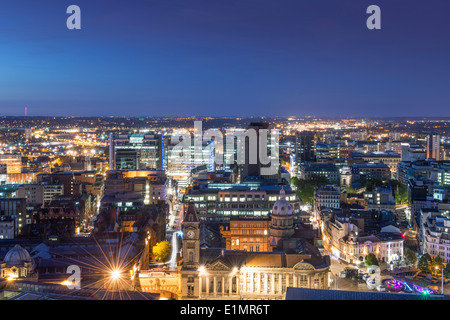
point(12, 277)
point(115, 274)
point(202, 270)
point(66, 283)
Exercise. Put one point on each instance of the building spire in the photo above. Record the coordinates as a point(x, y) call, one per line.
point(282, 193)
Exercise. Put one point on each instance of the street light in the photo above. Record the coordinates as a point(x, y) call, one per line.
point(442, 279)
point(115, 275)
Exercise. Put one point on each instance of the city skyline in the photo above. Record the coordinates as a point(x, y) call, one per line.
point(208, 151)
point(216, 59)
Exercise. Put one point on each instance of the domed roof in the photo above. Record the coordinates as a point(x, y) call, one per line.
point(17, 256)
point(282, 208)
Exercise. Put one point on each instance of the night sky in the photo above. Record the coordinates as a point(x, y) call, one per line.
point(225, 58)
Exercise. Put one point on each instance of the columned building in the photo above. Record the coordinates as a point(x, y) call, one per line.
point(244, 275)
point(216, 273)
point(16, 264)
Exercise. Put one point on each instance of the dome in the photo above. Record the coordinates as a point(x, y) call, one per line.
point(282, 208)
point(17, 256)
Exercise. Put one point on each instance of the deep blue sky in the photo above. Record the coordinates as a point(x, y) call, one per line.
point(225, 58)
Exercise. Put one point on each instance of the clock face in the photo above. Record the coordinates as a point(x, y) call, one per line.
point(190, 234)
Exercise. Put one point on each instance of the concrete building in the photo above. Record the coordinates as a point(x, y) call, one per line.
point(40, 194)
point(413, 152)
point(434, 147)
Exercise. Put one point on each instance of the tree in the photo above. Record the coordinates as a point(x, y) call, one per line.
point(400, 191)
point(447, 271)
point(410, 256)
point(161, 250)
point(306, 187)
point(437, 265)
point(425, 263)
point(371, 260)
point(350, 190)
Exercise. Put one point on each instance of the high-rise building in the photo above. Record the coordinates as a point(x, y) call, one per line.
point(433, 147)
point(180, 163)
point(304, 147)
point(255, 168)
point(136, 151)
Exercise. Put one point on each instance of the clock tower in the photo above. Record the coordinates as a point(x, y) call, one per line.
point(190, 281)
point(191, 238)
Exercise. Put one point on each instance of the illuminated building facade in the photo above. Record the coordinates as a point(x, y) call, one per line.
point(436, 236)
point(137, 151)
point(247, 235)
point(342, 238)
point(434, 147)
point(13, 162)
point(180, 163)
point(238, 201)
point(17, 263)
point(232, 274)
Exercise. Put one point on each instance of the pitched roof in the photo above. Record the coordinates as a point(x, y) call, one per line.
point(191, 213)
